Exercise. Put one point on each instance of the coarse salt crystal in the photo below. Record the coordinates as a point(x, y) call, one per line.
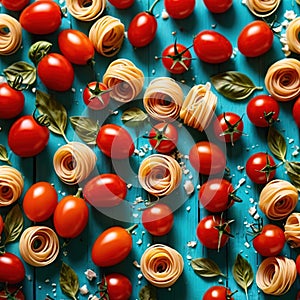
point(90, 274)
point(192, 244)
point(247, 245)
point(84, 290)
point(189, 257)
point(164, 15)
point(189, 187)
point(290, 15)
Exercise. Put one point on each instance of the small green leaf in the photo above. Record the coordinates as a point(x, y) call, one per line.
point(132, 117)
point(234, 85)
point(4, 155)
point(14, 222)
point(206, 267)
point(147, 293)
point(68, 281)
point(276, 143)
point(293, 171)
point(86, 128)
point(38, 50)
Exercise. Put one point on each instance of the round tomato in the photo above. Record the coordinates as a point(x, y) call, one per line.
point(261, 167)
point(269, 241)
point(12, 269)
point(158, 219)
point(218, 292)
point(229, 127)
point(112, 246)
point(1, 225)
point(14, 5)
point(105, 190)
point(296, 112)
point(75, 46)
point(56, 72)
point(262, 110)
point(163, 137)
point(70, 216)
point(12, 293)
point(41, 17)
point(115, 141)
point(121, 4)
point(40, 201)
point(298, 263)
point(213, 232)
point(176, 58)
point(207, 158)
point(212, 47)
point(11, 101)
point(27, 138)
point(216, 6)
point(96, 95)
point(179, 9)
point(255, 39)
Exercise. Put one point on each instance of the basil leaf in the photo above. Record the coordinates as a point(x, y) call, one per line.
point(38, 50)
point(14, 222)
point(3, 154)
point(147, 293)
point(68, 281)
point(234, 85)
point(206, 267)
point(86, 128)
point(293, 171)
point(276, 143)
point(132, 117)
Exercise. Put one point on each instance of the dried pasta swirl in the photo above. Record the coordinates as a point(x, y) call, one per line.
point(283, 79)
point(199, 107)
point(278, 199)
point(159, 174)
point(163, 99)
point(11, 185)
point(10, 35)
point(39, 246)
point(125, 80)
point(262, 8)
point(74, 162)
point(292, 230)
point(86, 10)
point(161, 265)
point(276, 275)
point(107, 35)
point(292, 35)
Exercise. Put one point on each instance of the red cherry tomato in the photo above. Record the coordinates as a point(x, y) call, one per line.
point(12, 269)
point(14, 5)
point(11, 101)
point(298, 264)
point(12, 293)
point(41, 17)
point(179, 9)
point(1, 225)
point(96, 95)
point(111, 247)
point(27, 138)
point(212, 47)
point(75, 46)
point(40, 201)
point(270, 241)
point(261, 167)
point(105, 190)
point(229, 127)
point(70, 216)
point(296, 112)
point(255, 39)
point(207, 158)
point(115, 141)
point(121, 4)
point(262, 110)
point(56, 72)
point(218, 293)
point(158, 219)
point(216, 6)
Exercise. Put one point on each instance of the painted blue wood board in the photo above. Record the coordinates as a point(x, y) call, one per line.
point(45, 280)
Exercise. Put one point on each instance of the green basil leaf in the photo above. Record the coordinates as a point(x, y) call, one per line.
point(132, 117)
point(147, 293)
point(86, 128)
point(3, 154)
point(293, 171)
point(276, 143)
point(68, 281)
point(14, 222)
point(234, 85)
point(38, 50)
point(206, 267)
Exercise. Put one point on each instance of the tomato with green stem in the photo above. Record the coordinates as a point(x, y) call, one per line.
point(96, 95)
point(218, 292)
point(216, 6)
point(179, 9)
point(121, 4)
point(15, 5)
point(12, 270)
point(12, 293)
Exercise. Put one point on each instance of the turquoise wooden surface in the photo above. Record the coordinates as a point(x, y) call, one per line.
point(45, 280)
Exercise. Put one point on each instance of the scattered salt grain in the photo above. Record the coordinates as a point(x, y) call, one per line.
point(252, 210)
point(164, 15)
point(73, 90)
point(129, 185)
point(240, 168)
point(139, 242)
point(247, 245)
point(140, 276)
point(220, 280)
point(188, 257)
point(256, 216)
point(39, 287)
point(290, 15)
point(83, 290)
point(47, 280)
point(188, 209)
point(192, 244)
point(295, 153)
point(136, 264)
point(189, 187)
point(90, 274)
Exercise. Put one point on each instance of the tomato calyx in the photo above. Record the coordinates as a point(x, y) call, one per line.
point(229, 294)
point(268, 168)
point(131, 228)
point(103, 289)
point(269, 117)
point(97, 93)
point(10, 295)
point(38, 50)
point(150, 10)
point(222, 229)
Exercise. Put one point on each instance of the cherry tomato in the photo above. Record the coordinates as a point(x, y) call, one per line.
point(229, 127)
point(176, 58)
point(212, 47)
point(179, 9)
point(216, 6)
point(255, 39)
point(75, 46)
point(296, 112)
point(1, 225)
point(298, 263)
point(26, 137)
point(70, 216)
point(41, 17)
point(121, 4)
point(115, 141)
point(207, 158)
point(112, 246)
point(12, 269)
point(115, 286)
point(158, 219)
point(14, 5)
point(96, 95)
point(261, 167)
point(218, 292)
point(56, 72)
point(262, 110)
point(12, 293)
point(105, 190)
point(213, 232)
point(11, 101)
point(163, 137)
